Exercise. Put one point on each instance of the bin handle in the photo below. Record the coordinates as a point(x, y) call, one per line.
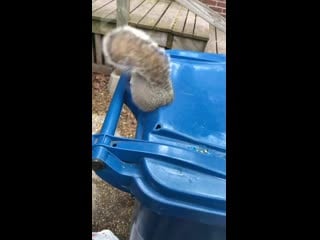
point(111, 120)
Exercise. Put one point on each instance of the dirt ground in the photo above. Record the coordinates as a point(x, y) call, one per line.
point(114, 208)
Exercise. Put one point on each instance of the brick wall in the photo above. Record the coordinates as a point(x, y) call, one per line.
point(217, 5)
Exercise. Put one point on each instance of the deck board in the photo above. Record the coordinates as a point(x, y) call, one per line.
point(211, 46)
point(188, 43)
point(189, 26)
point(221, 41)
point(150, 20)
point(106, 10)
point(99, 4)
point(133, 5)
point(169, 17)
point(141, 11)
point(164, 16)
point(180, 21)
point(201, 28)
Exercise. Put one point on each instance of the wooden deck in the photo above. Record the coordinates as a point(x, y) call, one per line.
point(170, 24)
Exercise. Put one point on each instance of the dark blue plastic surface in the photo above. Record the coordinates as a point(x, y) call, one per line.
point(176, 165)
point(149, 225)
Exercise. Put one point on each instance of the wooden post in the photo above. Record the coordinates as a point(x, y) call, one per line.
point(123, 7)
point(205, 12)
point(122, 12)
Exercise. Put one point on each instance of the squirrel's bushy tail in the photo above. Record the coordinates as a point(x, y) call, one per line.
point(128, 48)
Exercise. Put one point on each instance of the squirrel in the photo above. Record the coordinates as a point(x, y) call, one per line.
point(130, 49)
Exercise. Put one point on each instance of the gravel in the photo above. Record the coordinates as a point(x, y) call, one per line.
point(113, 208)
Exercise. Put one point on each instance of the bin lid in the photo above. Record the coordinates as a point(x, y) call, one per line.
point(179, 153)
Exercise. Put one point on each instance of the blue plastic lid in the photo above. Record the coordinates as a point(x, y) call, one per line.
point(176, 165)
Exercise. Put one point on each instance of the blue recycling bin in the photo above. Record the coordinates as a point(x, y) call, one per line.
point(176, 165)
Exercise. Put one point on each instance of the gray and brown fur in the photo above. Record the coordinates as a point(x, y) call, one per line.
point(130, 49)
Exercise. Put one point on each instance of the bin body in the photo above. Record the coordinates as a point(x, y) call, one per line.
point(176, 165)
point(150, 225)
